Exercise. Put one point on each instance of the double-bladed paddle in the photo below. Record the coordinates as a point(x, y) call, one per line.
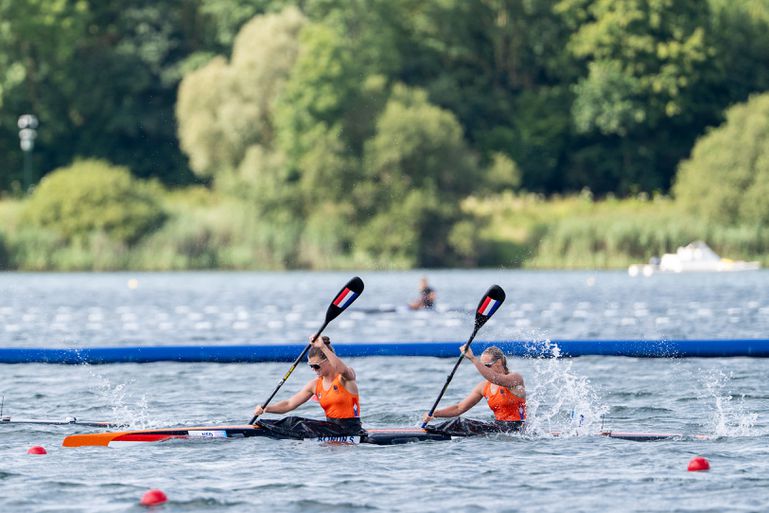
point(342, 300)
point(489, 304)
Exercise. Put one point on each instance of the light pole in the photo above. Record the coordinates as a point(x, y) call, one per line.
point(27, 135)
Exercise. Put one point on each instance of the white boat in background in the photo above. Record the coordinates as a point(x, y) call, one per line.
point(694, 257)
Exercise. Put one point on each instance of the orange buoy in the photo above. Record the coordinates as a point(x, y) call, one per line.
point(153, 497)
point(698, 463)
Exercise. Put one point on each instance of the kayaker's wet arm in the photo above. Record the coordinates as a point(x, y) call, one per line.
point(511, 380)
point(347, 373)
point(458, 409)
point(290, 404)
point(497, 376)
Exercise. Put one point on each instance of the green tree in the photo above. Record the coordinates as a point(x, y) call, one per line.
point(421, 144)
point(417, 167)
point(37, 38)
point(726, 180)
point(101, 77)
point(502, 68)
point(646, 61)
point(740, 35)
point(643, 57)
point(498, 65)
point(226, 107)
point(93, 196)
point(228, 120)
point(225, 18)
point(321, 100)
point(325, 114)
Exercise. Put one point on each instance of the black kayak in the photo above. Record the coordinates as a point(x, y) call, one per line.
point(369, 436)
point(381, 436)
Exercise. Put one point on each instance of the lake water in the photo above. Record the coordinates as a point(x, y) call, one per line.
point(726, 398)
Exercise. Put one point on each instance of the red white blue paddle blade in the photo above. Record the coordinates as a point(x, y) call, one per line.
point(489, 304)
point(344, 298)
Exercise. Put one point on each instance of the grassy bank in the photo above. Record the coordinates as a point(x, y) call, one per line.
point(206, 230)
point(578, 232)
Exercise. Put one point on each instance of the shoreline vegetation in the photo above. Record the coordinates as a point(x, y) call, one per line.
point(204, 230)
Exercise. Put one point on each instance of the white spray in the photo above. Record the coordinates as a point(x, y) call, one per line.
point(729, 416)
point(558, 400)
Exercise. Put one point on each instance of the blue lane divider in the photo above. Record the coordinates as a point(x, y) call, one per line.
point(288, 352)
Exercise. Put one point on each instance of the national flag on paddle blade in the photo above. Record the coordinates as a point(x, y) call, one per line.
point(489, 306)
point(344, 298)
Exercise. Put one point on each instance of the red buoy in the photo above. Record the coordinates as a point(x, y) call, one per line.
point(153, 498)
point(698, 463)
point(37, 449)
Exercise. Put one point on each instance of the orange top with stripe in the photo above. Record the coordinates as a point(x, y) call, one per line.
point(337, 401)
point(506, 405)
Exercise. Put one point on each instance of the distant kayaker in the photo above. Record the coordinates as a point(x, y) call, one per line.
point(504, 391)
point(334, 388)
point(426, 298)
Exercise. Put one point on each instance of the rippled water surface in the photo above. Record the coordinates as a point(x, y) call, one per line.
point(577, 471)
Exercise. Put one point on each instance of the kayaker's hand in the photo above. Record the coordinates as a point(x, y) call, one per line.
point(258, 411)
point(468, 352)
point(319, 342)
point(427, 418)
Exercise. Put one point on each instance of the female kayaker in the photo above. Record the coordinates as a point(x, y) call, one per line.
point(334, 387)
point(504, 391)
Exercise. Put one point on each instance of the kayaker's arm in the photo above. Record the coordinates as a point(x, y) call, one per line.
point(465, 404)
point(338, 365)
point(290, 404)
point(511, 380)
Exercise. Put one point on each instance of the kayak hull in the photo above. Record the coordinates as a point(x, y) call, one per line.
point(384, 436)
point(373, 436)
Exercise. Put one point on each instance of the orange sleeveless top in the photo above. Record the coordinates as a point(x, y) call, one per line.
point(505, 404)
point(337, 402)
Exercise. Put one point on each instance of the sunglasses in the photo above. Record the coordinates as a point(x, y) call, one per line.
point(489, 364)
point(314, 366)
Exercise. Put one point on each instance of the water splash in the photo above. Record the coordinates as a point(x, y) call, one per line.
point(124, 407)
point(729, 416)
point(558, 400)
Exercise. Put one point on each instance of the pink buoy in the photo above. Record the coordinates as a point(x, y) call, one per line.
point(37, 449)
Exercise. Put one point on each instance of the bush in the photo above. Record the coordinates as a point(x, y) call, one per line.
point(93, 196)
point(727, 178)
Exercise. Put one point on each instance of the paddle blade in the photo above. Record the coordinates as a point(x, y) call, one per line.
point(345, 298)
point(489, 304)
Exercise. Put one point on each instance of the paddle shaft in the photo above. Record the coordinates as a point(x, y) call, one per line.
point(290, 370)
point(451, 375)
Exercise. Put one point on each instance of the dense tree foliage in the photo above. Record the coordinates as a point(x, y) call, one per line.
point(100, 76)
point(357, 127)
point(577, 93)
point(727, 178)
point(226, 107)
